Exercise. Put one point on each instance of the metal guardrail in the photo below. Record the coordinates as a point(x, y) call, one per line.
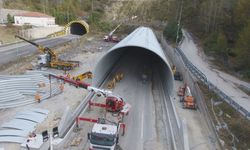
point(196, 72)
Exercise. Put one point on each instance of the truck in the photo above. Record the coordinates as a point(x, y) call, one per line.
point(50, 59)
point(104, 134)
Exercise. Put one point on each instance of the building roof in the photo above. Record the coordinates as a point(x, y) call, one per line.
point(34, 14)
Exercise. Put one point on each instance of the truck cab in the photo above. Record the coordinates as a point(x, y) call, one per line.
point(103, 137)
point(42, 60)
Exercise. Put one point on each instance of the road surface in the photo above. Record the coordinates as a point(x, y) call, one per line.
point(14, 51)
point(223, 81)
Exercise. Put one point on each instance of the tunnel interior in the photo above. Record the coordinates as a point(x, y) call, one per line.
point(146, 61)
point(76, 28)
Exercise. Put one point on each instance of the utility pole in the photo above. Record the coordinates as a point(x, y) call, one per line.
point(92, 9)
point(178, 25)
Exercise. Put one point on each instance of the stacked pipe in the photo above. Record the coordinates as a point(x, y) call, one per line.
point(19, 90)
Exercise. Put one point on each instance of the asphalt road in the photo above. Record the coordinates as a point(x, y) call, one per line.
point(12, 52)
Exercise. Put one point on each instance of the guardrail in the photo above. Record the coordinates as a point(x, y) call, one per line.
point(197, 73)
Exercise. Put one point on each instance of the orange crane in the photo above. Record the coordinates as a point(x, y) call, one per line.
point(187, 98)
point(113, 103)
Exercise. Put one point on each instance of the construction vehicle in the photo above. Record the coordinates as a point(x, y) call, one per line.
point(105, 133)
point(187, 98)
point(83, 76)
point(110, 37)
point(113, 103)
point(50, 59)
point(177, 75)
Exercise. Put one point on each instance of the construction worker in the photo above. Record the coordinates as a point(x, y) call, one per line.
point(68, 75)
point(61, 87)
point(38, 97)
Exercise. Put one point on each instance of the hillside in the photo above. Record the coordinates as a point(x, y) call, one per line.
point(222, 26)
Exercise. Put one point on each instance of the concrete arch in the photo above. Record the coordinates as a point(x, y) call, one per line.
point(141, 40)
point(77, 27)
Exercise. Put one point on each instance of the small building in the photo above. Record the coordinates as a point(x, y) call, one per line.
point(34, 19)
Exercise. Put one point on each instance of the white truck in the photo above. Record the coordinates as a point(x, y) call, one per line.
point(103, 137)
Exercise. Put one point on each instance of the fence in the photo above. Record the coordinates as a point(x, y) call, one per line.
point(197, 73)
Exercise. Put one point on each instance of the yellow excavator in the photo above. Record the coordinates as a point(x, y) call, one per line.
point(50, 59)
point(83, 76)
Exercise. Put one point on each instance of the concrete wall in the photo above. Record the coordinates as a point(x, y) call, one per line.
point(35, 21)
point(39, 32)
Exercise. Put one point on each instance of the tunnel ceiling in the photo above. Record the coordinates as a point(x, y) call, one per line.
point(78, 27)
point(143, 38)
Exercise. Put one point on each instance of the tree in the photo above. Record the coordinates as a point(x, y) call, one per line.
point(170, 31)
point(10, 19)
point(243, 51)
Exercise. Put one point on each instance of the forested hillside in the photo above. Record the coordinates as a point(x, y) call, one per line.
point(222, 26)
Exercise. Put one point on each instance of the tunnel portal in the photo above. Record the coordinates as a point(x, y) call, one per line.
point(78, 27)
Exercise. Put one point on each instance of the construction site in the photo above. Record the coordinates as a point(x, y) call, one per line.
point(78, 90)
point(104, 94)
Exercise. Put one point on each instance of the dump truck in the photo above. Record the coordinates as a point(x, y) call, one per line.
point(50, 59)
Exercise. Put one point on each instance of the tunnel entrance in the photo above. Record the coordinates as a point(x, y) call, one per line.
point(147, 63)
point(143, 46)
point(76, 28)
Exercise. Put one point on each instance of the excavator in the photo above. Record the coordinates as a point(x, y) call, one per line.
point(50, 58)
point(83, 76)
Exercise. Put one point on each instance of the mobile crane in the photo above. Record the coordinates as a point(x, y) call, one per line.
point(110, 37)
point(50, 58)
point(105, 133)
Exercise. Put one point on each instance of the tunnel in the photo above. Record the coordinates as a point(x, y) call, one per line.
point(78, 27)
point(138, 48)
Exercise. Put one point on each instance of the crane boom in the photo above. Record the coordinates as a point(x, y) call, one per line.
point(41, 48)
point(84, 85)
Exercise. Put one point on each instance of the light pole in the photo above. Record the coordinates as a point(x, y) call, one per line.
point(178, 24)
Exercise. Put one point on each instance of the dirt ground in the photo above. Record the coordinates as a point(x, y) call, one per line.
point(87, 50)
point(9, 34)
